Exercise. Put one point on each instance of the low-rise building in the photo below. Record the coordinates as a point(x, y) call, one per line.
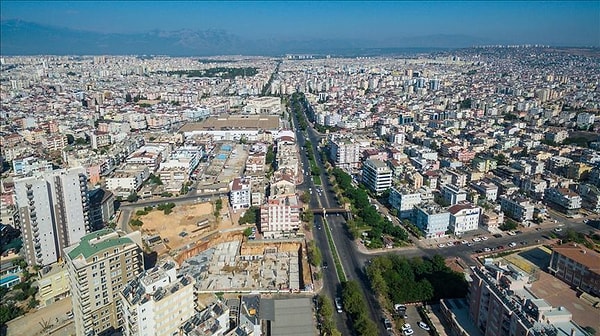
point(432, 219)
point(404, 201)
point(517, 208)
point(578, 266)
point(453, 194)
point(239, 194)
point(464, 217)
point(53, 284)
point(563, 199)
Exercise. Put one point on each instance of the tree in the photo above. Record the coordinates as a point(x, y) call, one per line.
point(70, 139)
point(248, 232)
point(305, 197)
point(133, 197)
point(136, 222)
point(508, 225)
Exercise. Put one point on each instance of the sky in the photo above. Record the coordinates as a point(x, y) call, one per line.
point(574, 23)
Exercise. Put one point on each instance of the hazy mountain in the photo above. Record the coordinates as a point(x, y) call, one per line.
point(26, 38)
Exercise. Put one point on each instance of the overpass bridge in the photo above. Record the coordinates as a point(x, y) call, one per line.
point(326, 211)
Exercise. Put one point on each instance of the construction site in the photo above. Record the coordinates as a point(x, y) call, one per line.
point(254, 266)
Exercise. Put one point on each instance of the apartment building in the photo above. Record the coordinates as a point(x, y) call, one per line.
point(563, 199)
point(53, 284)
point(501, 304)
point(53, 213)
point(102, 207)
point(517, 208)
point(239, 194)
point(376, 176)
point(489, 191)
point(127, 180)
point(280, 214)
point(590, 197)
point(99, 267)
point(212, 321)
point(464, 217)
point(157, 302)
point(404, 200)
point(453, 194)
point(30, 165)
point(578, 266)
point(432, 220)
point(344, 153)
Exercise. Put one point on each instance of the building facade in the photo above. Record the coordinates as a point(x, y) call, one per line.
point(432, 220)
point(157, 302)
point(99, 266)
point(578, 266)
point(239, 194)
point(53, 212)
point(464, 217)
point(404, 201)
point(376, 176)
point(280, 214)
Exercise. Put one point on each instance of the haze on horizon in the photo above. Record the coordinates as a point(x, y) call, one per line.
point(556, 23)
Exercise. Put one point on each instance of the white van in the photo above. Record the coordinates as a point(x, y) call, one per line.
point(338, 304)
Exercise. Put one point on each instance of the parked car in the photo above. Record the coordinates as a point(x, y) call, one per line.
point(387, 323)
point(423, 326)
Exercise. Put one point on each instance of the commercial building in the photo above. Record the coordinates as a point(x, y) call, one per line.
point(263, 105)
point(53, 212)
point(157, 302)
point(99, 267)
point(578, 266)
point(376, 176)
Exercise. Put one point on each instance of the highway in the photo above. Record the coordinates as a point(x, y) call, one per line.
point(352, 261)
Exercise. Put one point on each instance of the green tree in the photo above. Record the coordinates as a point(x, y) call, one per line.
point(248, 232)
point(133, 197)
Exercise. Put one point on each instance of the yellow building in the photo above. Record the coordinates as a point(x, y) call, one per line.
point(53, 285)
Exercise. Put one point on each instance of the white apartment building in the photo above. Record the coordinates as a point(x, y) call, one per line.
point(432, 220)
point(127, 180)
point(345, 153)
point(487, 190)
point(280, 214)
point(464, 217)
point(517, 208)
point(564, 199)
point(453, 194)
point(157, 302)
point(404, 200)
point(376, 176)
point(53, 212)
point(263, 105)
point(585, 119)
point(99, 267)
point(30, 165)
point(239, 194)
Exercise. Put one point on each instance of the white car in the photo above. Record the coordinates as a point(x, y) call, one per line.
point(449, 244)
point(513, 244)
point(487, 249)
point(484, 238)
point(476, 239)
point(558, 229)
point(408, 332)
point(406, 326)
point(441, 245)
point(424, 326)
point(464, 242)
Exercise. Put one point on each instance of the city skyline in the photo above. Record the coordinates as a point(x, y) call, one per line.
point(241, 25)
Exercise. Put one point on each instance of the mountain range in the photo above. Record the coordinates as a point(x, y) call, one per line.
point(26, 38)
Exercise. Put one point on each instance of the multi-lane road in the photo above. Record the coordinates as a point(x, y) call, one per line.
point(353, 260)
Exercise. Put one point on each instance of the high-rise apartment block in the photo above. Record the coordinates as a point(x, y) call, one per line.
point(99, 267)
point(53, 212)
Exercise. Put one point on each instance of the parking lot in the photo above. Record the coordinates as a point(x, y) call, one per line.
point(412, 318)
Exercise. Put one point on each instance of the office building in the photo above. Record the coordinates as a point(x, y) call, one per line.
point(376, 176)
point(53, 212)
point(157, 302)
point(99, 267)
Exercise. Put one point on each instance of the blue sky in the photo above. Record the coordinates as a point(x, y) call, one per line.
point(548, 22)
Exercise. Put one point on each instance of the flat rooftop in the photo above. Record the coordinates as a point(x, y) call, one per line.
point(235, 122)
